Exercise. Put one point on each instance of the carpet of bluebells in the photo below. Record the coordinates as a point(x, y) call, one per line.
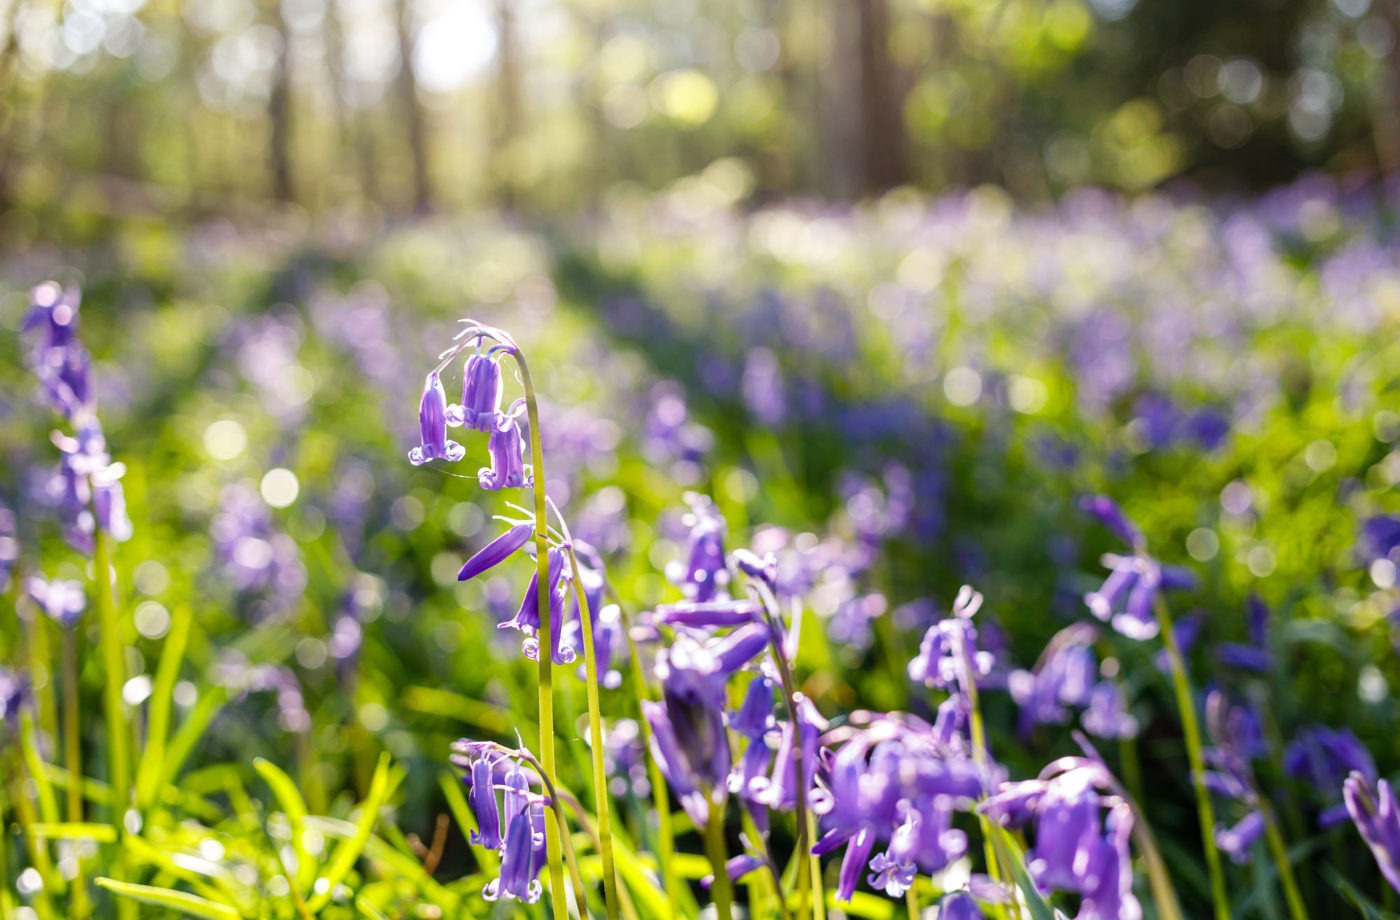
point(933, 558)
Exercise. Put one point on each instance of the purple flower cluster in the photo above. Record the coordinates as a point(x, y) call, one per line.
point(1082, 831)
point(509, 817)
point(85, 490)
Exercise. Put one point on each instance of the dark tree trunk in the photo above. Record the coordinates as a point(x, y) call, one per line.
point(882, 140)
point(279, 114)
point(508, 103)
point(414, 122)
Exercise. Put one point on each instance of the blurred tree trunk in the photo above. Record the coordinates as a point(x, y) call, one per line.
point(508, 104)
point(1385, 107)
point(279, 111)
point(413, 111)
point(8, 52)
point(335, 70)
point(883, 144)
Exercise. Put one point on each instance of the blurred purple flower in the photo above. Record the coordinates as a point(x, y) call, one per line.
point(1372, 807)
point(432, 427)
point(62, 600)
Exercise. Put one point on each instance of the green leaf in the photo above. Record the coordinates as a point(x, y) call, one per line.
point(349, 850)
point(187, 904)
point(294, 806)
point(1009, 853)
point(74, 830)
point(1363, 904)
point(172, 655)
point(862, 904)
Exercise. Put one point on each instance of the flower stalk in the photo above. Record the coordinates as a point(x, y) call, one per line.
point(1185, 702)
point(546, 661)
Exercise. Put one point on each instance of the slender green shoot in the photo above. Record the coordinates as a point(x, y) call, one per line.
point(1190, 726)
point(546, 661)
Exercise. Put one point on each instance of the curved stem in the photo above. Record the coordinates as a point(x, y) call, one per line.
point(1190, 727)
point(552, 829)
point(595, 732)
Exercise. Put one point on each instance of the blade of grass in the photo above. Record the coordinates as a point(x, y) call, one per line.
point(294, 807)
point(188, 904)
point(172, 655)
point(349, 850)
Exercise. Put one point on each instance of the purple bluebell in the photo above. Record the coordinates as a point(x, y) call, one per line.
point(1380, 538)
point(1077, 848)
point(1255, 655)
point(781, 791)
point(9, 545)
point(709, 614)
point(497, 551)
point(12, 694)
point(959, 906)
point(527, 618)
point(507, 448)
point(484, 806)
point(519, 809)
point(737, 867)
point(58, 359)
point(892, 781)
point(1127, 598)
point(1322, 758)
point(481, 394)
point(704, 575)
point(1064, 677)
point(754, 722)
point(432, 427)
point(86, 490)
point(688, 724)
point(950, 645)
point(1106, 511)
point(1372, 808)
point(1236, 842)
point(1107, 714)
point(62, 600)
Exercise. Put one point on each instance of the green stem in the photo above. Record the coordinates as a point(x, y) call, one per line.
point(721, 889)
point(978, 732)
point(1279, 849)
point(1186, 702)
point(806, 889)
point(545, 659)
point(114, 671)
point(911, 901)
point(7, 904)
point(72, 749)
point(595, 733)
point(665, 831)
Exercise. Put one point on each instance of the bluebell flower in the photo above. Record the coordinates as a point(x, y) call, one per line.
point(1255, 655)
point(1235, 842)
point(58, 359)
point(1322, 758)
point(62, 600)
point(506, 447)
point(688, 724)
point(481, 394)
point(1078, 848)
point(527, 618)
point(704, 575)
point(959, 906)
point(948, 644)
point(497, 551)
point(9, 545)
point(1064, 677)
point(432, 427)
point(1372, 808)
point(892, 781)
point(1107, 714)
point(510, 803)
point(12, 696)
point(1127, 598)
